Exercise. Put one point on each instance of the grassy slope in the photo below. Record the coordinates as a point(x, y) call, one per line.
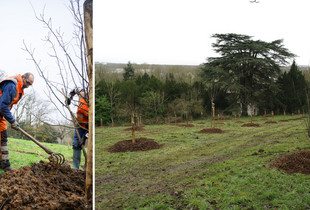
point(23, 152)
point(202, 170)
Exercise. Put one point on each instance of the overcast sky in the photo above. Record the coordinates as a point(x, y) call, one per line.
point(18, 23)
point(179, 31)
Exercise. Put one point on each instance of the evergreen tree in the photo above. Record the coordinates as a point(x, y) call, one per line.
point(129, 72)
point(102, 110)
point(246, 67)
point(293, 89)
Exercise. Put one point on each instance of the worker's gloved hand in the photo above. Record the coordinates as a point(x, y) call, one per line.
point(68, 102)
point(72, 93)
point(15, 125)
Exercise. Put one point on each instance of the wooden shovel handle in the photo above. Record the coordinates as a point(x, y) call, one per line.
point(48, 151)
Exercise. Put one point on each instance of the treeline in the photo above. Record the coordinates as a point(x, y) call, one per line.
point(244, 78)
point(156, 101)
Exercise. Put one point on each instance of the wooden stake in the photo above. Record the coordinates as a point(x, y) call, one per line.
point(213, 114)
point(133, 127)
point(88, 26)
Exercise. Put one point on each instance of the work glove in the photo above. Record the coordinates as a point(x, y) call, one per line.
point(72, 93)
point(15, 125)
point(68, 102)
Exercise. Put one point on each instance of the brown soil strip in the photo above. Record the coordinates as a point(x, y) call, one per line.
point(299, 118)
point(211, 130)
point(142, 144)
point(43, 186)
point(182, 125)
point(185, 125)
point(294, 163)
point(270, 122)
point(239, 122)
point(250, 125)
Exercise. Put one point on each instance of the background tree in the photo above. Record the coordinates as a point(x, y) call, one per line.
point(70, 57)
point(129, 72)
point(73, 58)
point(247, 66)
point(293, 87)
point(102, 107)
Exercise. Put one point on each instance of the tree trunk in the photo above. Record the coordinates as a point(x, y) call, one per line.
point(213, 114)
point(88, 25)
point(133, 127)
point(272, 114)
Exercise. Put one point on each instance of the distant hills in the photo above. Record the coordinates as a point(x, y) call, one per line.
point(187, 73)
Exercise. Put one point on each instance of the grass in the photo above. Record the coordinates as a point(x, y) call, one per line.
point(202, 171)
point(24, 152)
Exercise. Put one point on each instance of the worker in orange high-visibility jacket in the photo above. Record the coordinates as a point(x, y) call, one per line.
point(11, 91)
point(81, 128)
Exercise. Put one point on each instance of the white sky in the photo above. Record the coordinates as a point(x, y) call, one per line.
point(179, 31)
point(18, 23)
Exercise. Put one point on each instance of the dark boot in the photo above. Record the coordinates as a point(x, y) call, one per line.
point(6, 166)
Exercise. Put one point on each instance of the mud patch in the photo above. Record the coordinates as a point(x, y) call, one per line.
point(142, 144)
point(185, 125)
point(270, 122)
point(250, 125)
point(211, 130)
point(299, 118)
point(43, 186)
point(294, 163)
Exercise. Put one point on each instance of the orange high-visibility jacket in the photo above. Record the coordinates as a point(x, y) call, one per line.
point(18, 80)
point(82, 111)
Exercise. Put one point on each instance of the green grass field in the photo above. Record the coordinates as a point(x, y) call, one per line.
point(202, 171)
point(24, 152)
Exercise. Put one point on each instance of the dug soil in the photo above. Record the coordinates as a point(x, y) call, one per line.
point(211, 130)
point(250, 125)
point(43, 186)
point(294, 163)
point(270, 122)
point(141, 144)
point(239, 121)
point(185, 125)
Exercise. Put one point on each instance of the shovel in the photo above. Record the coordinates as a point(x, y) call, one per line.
point(54, 158)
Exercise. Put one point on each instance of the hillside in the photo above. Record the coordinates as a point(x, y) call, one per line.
point(113, 71)
point(187, 73)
